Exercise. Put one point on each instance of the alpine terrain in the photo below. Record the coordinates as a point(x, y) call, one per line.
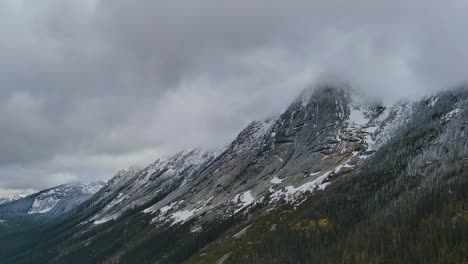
point(335, 178)
point(18, 209)
point(12, 197)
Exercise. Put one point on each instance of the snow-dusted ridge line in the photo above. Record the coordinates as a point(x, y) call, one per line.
point(46, 201)
point(315, 141)
point(14, 196)
point(130, 188)
point(358, 119)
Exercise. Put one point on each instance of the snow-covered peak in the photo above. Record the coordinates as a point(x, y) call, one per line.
point(66, 194)
point(92, 187)
point(8, 198)
point(324, 134)
point(122, 176)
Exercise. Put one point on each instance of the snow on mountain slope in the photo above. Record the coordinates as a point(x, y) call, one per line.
point(13, 197)
point(43, 205)
point(328, 143)
point(63, 197)
point(319, 137)
point(132, 188)
point(52, 202)
point(323, 135)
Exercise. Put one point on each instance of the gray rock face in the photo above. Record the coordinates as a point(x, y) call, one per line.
point(52, 202)
point(324, 134)
point(307, 145)
point(133, 188)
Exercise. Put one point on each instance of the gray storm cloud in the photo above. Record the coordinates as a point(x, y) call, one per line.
point(89, 87)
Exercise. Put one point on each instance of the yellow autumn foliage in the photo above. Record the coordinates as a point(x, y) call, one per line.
point(323, 222)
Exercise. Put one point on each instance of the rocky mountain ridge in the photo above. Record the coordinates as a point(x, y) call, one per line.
point(317, 180)
point(52, 202)
point(8, 198)
point(324, 134)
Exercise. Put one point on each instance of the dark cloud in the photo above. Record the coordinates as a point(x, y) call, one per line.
point(89, 87)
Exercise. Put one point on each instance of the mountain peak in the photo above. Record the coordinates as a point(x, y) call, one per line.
point(329, 136)
point(8, 198)
point(53, 201)
point(322, 92)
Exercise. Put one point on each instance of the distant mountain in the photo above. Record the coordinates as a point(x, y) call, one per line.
point(51, 202)
point(12, 197)
point(335, 178)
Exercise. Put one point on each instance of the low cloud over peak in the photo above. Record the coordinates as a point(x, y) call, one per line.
point(90, 87)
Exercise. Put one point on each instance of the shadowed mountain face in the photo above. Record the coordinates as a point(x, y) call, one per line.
point(331, 158)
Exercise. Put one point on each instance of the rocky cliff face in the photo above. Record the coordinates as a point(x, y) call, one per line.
point(323, 135)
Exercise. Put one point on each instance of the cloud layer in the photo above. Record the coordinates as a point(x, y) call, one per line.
point(89, 87)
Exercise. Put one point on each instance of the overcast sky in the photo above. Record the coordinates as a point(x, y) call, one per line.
point(89, 87)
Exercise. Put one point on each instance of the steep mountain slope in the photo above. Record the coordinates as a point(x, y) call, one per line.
point(133, 188)
point(317, 180)
point(321, 136)
point(405, 204)
point(261, 158)
point(51, 202)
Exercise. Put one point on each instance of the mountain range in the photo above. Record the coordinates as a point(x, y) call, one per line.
point(49, 203)
point(8, 198)
point(335, 178)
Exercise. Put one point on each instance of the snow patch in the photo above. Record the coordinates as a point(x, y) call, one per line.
point(245, 200)
point(13, 197)
point(105, 219)
point(44, 205)
point(433, 101)
point(451, 114)
point(182, 216)
point(276, 180)
point(290, 193)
